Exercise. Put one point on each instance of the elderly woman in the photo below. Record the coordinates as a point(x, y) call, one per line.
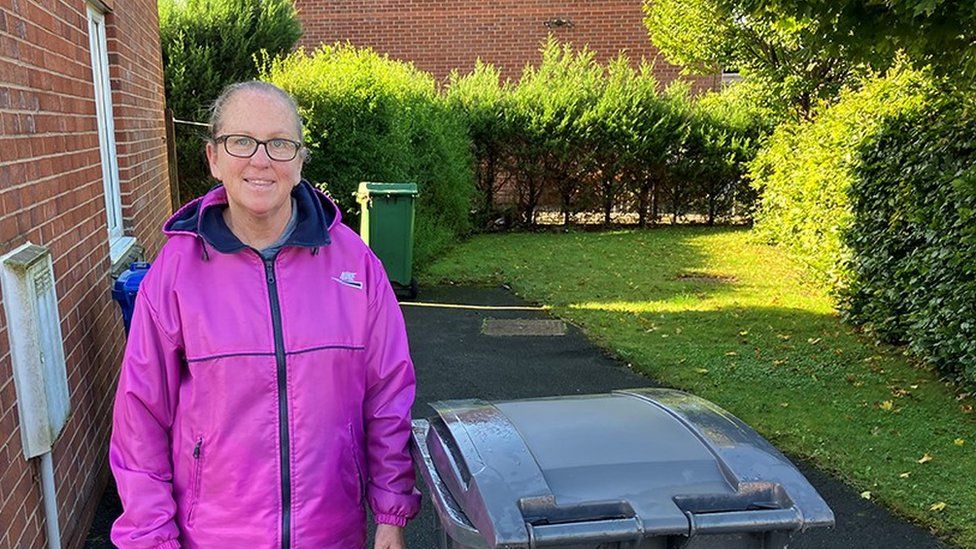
point(266, 387)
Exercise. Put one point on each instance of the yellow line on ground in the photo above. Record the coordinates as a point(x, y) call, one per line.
point(472, 307)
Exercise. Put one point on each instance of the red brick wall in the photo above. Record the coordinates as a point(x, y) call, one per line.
point(51, 194)
point(440, 35)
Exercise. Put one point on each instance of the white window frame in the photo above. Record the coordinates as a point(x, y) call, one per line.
point(119, 244)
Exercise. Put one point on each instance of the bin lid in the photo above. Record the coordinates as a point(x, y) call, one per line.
point(613, 467)
point(129, 280)
point(369, 188)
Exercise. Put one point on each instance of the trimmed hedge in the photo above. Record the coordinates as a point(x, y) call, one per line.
point(806, 168)
point(595, 138)
point(913, 236)
point(369, 118)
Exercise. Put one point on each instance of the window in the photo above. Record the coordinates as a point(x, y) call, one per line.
point(118, 243)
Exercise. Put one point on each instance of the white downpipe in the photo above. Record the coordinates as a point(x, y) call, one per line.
point(50, 502)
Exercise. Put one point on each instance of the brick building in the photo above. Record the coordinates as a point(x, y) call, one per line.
point(441, 35)
point(83, 173)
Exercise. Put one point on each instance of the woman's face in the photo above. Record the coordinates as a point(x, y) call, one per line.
point(258, 187)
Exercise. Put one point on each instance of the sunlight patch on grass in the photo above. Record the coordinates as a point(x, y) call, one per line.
point(681, 302)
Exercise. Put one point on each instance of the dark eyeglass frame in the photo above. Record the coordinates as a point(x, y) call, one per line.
point(257, 143)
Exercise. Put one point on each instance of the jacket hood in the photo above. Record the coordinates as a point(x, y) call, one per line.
point(203, 218)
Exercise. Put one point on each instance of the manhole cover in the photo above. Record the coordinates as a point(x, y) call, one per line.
point(523, 327)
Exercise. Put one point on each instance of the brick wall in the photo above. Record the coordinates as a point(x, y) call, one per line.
point(51, 194)
point(440, 35)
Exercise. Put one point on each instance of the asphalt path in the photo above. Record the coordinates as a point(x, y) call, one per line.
point(455, 360)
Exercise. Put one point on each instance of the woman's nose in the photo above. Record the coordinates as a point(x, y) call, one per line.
point(260, 156)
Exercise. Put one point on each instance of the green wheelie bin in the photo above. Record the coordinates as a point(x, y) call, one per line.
point(386, 225)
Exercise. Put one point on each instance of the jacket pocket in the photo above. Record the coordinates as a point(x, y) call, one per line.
point(196, 479)
point(358, 462)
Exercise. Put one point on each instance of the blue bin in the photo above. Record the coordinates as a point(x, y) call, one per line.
point(125, 288)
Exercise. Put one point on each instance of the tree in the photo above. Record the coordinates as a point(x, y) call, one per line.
point(788, 54)
point(938, 33)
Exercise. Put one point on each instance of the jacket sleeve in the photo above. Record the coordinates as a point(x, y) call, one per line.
point(390, 387)
point(139, 451)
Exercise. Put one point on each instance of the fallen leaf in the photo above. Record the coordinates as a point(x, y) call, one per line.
point(966, 408)
point(784, 337)
point(926, 458)
point(744, 333)
point(731, 353)
point(866, 494)
point(784, 404)
point(701, 370)
point(959, 442)
point(905, 475)
point(779, 362)
point(938, 506)
point(813, 340)
point(887, 406)
point(914, 386)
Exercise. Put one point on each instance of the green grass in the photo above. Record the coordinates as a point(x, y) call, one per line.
point(711, 312)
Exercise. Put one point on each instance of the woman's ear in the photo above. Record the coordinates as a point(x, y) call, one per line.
point(212, 160)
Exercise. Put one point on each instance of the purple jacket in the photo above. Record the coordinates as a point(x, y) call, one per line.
point(262, 404)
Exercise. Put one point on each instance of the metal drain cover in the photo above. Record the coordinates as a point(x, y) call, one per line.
point(522, 327)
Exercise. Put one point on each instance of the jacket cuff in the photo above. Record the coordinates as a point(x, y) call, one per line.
point(168, 544)
point(395, 520)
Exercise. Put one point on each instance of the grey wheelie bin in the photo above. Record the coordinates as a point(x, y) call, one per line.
point(646, 468)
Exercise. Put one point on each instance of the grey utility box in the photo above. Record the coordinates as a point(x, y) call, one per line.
point(646, 468)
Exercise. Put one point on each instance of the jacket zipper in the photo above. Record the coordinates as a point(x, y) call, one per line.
point(197, 466)
point(283, 439)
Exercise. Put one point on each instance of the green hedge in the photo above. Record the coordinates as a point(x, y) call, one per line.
point(806, 168)
point(605, 138)
point(206, 45)
point(369, 118)
point(913, 236)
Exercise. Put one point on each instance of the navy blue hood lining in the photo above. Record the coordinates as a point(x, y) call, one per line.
point(315, 215)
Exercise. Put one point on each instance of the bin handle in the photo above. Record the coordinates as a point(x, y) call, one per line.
point(591, 531)
point(728, 522)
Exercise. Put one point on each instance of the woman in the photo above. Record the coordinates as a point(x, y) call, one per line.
point(266, 387)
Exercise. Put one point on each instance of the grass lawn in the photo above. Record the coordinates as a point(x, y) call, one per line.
point(710, 312)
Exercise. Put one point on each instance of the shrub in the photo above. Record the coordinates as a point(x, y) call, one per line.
point(548, 109)
point(368, 118)
point(724, 135)
point(206, 45)
point(805, 170)
point(913, 236)
point(481, 102)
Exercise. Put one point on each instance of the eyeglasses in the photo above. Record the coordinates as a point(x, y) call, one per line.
point(244, 146)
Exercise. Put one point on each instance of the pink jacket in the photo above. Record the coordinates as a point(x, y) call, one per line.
point(262, 404)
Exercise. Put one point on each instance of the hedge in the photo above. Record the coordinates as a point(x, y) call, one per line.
point(913, 236)
point(597, 138)
point(805, 169)
point(369, 118)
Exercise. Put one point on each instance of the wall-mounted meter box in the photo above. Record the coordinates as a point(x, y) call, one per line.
point(36, 346)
